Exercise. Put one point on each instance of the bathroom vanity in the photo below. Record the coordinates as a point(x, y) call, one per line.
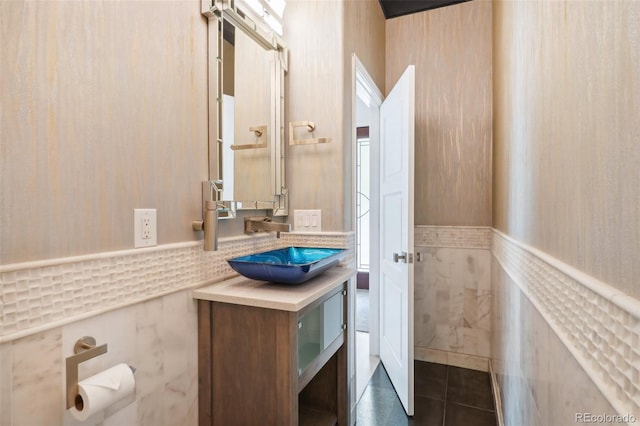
point(274, 354)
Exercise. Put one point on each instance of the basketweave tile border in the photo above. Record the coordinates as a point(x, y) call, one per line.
point(598, 324)
point(40, 295)
point(478, 237)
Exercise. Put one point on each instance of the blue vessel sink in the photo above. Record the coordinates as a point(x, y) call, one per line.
point(291, 265)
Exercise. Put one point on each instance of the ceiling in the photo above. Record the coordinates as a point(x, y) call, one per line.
point(395, 8)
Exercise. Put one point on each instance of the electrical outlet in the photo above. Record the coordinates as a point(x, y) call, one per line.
point(145, 228)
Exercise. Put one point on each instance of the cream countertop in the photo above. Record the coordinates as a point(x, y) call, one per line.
point(264, 294)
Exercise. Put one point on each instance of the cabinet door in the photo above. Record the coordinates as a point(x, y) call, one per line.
point(333, 319)
point(318, 328)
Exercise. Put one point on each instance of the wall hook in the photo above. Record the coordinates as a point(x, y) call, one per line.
point(261, 135)
point(310, 125)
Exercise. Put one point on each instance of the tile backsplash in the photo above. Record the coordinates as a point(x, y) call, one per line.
point(41, 295)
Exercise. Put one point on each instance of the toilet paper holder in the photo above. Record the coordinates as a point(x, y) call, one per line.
point(84, 349)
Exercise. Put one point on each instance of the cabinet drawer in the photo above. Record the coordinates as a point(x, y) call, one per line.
point(318, 328)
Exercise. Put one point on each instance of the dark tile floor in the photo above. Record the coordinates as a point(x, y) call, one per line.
point(444, 396)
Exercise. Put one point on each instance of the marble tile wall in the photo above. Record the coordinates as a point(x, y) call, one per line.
point(451, 48)
point(158, 337)
point(453, 297)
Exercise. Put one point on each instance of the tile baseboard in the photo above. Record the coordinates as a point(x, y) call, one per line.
point(453, 359)
point(497, 398)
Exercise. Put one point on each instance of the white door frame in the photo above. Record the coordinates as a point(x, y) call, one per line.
point(361, 80)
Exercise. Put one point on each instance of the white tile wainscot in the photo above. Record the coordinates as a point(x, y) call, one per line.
point(590, 324)
point(453, 296)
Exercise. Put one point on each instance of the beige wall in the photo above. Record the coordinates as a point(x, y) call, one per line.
point(451, 49)
point(566, 155)
point(104, 109)
point(364, 35)
point(314, 88)
point(101, 118)
point(567, 102)
point(322, 36)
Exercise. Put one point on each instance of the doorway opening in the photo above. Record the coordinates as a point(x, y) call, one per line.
point(390, 148)
point(366, 101)
point(363, 216)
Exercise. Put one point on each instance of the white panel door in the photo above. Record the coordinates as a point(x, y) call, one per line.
point(396, 236)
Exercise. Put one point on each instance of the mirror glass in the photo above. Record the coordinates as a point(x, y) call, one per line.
point(250, 149)
point(246, 114)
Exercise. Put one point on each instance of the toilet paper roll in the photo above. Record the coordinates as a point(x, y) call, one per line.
point(102, 390)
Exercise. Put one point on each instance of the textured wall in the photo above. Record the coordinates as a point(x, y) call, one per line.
point(322, 36)
point(314, 88)
point(566, 154)
point(451, 49)
point(567, 102)
point(364, 35)
point(104, 109)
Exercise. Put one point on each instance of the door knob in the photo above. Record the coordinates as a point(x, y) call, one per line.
point(397, 257)
point(405, 257)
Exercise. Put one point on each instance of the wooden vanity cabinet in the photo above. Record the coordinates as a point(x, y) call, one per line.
point(251, 368)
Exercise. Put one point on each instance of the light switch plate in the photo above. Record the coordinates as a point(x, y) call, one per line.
point(307, 220)
point(145, 228)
